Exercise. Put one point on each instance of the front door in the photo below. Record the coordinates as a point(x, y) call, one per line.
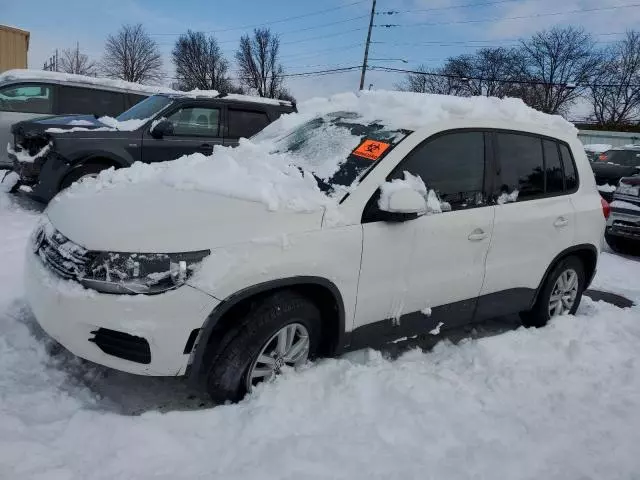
point(420, 273)
point(196, 129)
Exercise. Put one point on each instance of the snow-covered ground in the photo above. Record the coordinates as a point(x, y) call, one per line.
point(562, 402)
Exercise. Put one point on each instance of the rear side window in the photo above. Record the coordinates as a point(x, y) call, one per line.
point(570, 175)
point(453, 165)
point(91, 101)
point(522, 167)
point(553, 168)
point(246, 123)
point(27, 98)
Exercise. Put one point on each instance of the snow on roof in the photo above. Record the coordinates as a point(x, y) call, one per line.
point(597, 147)
point(256, 99)
point(83, 79)
point(414, 110)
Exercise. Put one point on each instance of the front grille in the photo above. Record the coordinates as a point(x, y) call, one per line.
point(60, 254)
point(122, 345)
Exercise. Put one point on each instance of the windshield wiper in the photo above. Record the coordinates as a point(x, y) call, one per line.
point(322, 185)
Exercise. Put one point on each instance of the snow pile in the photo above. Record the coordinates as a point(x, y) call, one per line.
point(23, 155)
point(124, 126)
point(81, 123)
point(624, 205)
point(256, 99)
point(558, 403)
point(508, 197)
point(411, 111)
point(112, 125)
point(597, 147)
point(606, 188)
point(410, 182)
point(241, 172)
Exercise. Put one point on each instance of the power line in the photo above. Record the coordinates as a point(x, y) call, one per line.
point(498, 80)
point(315, 53)
point(520, 17)
point(320, 37)
point(450, 7)
point(272, 22)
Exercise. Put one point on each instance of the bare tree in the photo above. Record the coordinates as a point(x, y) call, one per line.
point(200, 63)
point(132, 55)
point(560, 61)
point(429, 81)
point(258, 63)
point(615, 94)
point(72, 61)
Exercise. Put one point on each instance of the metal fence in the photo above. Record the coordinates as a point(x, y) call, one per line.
point(615, 139)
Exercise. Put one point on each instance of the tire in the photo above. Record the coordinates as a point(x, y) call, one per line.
point(617, 244)
point(540, 314)
point(88, 169)
point(238, 350)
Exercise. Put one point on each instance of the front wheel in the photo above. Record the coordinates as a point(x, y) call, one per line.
point(560, 294)
point(281, 330)
point(89, 170)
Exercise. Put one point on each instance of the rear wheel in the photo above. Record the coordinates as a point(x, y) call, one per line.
point(281, 330)
point(89, 170)
point(560, 294)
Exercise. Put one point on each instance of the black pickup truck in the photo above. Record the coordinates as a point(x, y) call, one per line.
point(50, 153)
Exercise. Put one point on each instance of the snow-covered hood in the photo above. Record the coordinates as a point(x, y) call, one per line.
point(160, 218)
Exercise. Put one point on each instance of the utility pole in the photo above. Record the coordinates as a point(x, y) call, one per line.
point(366, 48)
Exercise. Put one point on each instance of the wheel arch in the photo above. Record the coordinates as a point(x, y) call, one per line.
point(321, 291)
point(107, 160)
point(586, 252)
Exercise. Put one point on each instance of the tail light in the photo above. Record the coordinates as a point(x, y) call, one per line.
point(602, 157)
point(606, 209)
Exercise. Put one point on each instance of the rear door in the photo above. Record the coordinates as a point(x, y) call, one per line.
point(534, 221)
point(244, 123)
point(196, 129)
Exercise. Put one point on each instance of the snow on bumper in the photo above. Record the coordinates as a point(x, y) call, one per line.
point(69, 313)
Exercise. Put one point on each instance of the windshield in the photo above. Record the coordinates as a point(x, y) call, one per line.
point(338, 148)
point(145, 109)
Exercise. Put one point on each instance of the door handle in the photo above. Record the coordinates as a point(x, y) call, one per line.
point(477, 235)
point(561, 222)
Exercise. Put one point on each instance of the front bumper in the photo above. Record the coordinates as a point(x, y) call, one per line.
point(72, 315)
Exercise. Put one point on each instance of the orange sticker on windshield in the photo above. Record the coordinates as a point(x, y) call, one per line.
point(371, 149)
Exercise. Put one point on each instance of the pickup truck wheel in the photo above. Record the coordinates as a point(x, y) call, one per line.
point(281, 330)
point(89, 170)
point(560, 294)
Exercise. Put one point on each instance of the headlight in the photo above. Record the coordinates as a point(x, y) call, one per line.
point(134, 273)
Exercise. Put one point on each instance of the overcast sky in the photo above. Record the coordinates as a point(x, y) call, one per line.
point(429, 31)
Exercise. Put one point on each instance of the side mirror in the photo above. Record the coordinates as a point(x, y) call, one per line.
point(162, 128)
point(402, 205)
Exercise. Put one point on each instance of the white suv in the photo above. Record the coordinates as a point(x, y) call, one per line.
point(359, 221)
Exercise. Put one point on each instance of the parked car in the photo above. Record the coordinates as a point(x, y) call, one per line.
point(623, 226)
point(53, 152)
point(616, 163)
point(361, 221)
point(27, 94)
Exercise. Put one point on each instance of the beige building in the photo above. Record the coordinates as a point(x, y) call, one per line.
point(14, 45)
